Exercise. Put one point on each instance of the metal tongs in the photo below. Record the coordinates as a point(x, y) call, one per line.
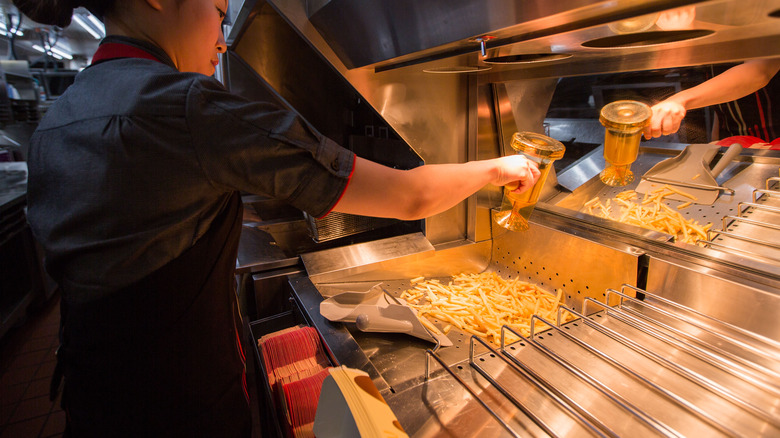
point(375, 310)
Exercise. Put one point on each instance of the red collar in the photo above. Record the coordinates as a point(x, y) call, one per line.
point(108, 51)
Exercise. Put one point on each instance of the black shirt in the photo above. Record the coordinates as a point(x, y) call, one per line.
point(132, 163)
point(755, 114)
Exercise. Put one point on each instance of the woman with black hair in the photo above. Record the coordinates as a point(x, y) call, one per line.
point(134, 181)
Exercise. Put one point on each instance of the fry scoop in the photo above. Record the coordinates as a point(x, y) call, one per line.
point(377, 311)
point(690, 172)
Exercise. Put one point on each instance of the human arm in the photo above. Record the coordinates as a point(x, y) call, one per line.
point(259, 148)
point(377, 190)
point(732, 84)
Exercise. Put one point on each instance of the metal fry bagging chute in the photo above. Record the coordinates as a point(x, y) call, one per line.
point(375, 310)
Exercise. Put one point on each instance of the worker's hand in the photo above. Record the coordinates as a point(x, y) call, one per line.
point(517, 172)
point(667, 116)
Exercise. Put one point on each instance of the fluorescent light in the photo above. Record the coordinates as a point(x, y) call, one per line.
point(63, 46)
point(98, 24)
point(61, 53)
point(4, 30)
point(77, 18)
point(40, 49)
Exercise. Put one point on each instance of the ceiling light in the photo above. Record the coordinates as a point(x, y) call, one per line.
point(4, 30)
point(62, 53)
point(78, 19)
point(40, 49)
point(98, 24)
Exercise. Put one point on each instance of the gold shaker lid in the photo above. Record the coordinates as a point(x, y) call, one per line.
point(625, 115)
point(538, 145)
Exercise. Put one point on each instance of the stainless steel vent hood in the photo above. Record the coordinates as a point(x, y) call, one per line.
point(408, 30)
point(383, 35)
point(396, 55)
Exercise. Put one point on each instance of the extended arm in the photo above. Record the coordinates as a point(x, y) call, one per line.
point(377, 190)
point(734, 83)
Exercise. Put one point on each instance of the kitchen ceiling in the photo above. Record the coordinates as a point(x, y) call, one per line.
point(78, 41)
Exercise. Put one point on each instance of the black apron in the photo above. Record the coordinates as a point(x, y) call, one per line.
point(162, 357)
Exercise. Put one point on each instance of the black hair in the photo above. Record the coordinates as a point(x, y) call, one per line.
point(59, 12)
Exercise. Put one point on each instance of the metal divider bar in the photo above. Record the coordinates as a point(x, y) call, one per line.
point(768, 208)
point(762, 339)
point(739, 237)
point(717, 245)
point(560, 397)
point(767, 192)
point(719, 362)
point(539, 422)
point(726, 339)
point(605, 390)
point(770, 180)
point(748, 221)
point(700, 380)
point(614, 362)
point(430, 353)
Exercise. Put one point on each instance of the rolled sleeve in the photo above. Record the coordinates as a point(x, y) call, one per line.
point(259, 148)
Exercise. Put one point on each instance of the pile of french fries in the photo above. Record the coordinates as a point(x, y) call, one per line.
point(651, 213)
point(479, 304)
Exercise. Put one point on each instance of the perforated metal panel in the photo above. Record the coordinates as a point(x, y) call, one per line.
point(742, 176)
point(555, 260)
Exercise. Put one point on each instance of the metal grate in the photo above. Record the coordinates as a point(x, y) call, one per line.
point(641, 368)
point(337, 225)
point(755, 231)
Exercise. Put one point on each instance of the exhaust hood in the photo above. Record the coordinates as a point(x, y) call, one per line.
point(432, 69)
point(614, 35)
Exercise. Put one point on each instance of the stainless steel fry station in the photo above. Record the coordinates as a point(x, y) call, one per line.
point(656, 335)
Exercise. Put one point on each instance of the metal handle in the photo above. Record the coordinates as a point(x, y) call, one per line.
point(377, 323)
point(688, 184)
point(732, 220)
point(726, 159)
point(761, 194)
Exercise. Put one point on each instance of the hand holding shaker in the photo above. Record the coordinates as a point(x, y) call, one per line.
point(624, 121)
point(516, 209)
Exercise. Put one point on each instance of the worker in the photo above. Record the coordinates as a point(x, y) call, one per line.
point(134, 181)
point(744, 97)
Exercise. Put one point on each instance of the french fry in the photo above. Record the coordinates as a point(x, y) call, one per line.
point(480, 304)
point(681, 193)
point(429, 325)
point(592, 202)
point(653, 213)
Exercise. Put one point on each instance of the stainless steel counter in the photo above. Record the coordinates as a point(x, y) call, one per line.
point(639, 368)
point(643, 366)
point(748, 171)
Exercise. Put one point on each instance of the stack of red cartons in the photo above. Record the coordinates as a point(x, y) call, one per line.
point(296, 365)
